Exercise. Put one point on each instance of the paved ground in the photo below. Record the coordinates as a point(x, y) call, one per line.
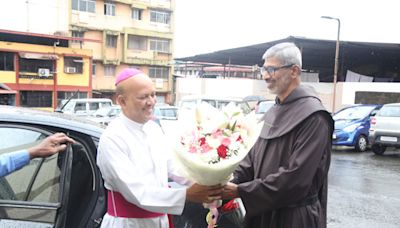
point(364, 190)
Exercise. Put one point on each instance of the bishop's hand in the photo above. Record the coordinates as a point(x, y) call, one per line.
point(203, 194)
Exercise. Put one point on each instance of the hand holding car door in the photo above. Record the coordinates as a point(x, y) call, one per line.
point(13, 161)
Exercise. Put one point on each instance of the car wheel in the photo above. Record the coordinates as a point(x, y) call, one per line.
point(361, 143)
point(378, 149)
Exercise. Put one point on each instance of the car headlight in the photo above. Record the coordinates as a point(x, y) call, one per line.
point(351, 128)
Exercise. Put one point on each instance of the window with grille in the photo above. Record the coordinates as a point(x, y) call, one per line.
point(36, 98)
point(6, 61)
point(137, 14)
point(84, 5)
point(160, 17)
point(93, 69)
point(111, 41)
point(73, 65)
point(109, 9)
point(77, 34)
point(33, 65)
point(137, 42)
point(109, 70)
point(159, 45)
point(159, 72)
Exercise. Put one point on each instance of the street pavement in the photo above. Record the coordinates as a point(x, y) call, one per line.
point(364, 190)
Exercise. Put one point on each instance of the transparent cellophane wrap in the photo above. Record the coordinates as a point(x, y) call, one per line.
point(192, 166)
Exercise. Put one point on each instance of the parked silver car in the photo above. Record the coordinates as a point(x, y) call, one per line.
point(385, 128)
point(191, 101)
point(106, 114)
point(166, 112)
point(262, 107)
point(84, 106)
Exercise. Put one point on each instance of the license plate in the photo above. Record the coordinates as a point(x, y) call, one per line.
point(388, 139)
point(334, 136)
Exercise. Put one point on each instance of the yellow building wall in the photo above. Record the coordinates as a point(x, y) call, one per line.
point(73, 79)
point(7, 77)
point(62, 78)
point(36, 81)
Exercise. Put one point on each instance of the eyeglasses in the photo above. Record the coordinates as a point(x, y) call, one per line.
point(271, 70)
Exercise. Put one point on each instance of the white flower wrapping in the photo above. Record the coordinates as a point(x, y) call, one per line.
point(214, 142)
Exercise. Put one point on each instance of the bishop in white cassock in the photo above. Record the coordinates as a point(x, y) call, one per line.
point(135, 163)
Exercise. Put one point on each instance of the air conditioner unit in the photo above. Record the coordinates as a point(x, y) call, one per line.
point(70, 70)
point(43, 72)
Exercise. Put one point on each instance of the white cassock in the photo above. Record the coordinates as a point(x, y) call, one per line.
point(135, 161)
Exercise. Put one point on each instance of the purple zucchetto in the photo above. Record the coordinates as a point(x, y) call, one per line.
point(127, 73)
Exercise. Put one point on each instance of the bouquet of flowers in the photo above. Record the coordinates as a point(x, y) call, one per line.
point(212, 145)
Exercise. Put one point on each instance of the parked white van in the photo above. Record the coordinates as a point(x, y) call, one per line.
point(84, 107)
point(191, 101)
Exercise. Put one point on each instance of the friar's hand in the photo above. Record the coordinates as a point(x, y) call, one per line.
point(203, 194)
point(230, 191)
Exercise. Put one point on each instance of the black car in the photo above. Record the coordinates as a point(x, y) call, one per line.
point(66, 189)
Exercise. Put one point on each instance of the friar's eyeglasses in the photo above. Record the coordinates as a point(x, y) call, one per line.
point(271, 70)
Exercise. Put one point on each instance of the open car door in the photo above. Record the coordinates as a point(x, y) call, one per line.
point(37, 194)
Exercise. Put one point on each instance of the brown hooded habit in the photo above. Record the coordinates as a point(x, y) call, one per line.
point(283, 180)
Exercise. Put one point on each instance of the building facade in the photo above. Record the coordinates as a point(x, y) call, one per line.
point(39, 70)
point(215, 70)
point(136, 34)
point(131, 33)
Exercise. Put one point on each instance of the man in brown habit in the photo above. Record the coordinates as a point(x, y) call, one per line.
point(283, 180)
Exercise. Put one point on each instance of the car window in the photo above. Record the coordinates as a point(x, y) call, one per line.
point(263, 107)
point(80, 106)
point(211, 102)
point(82, 186)
point(222, 104)
point(353, 113)
point(157, 112)
point(105, 104)
point(393, 111)
point(101, 112)
point(69, 106)
point(114, 112)
point(37, 183)
point(188, 104)
point(169, 112)
point(94, 105)
point(245, 107)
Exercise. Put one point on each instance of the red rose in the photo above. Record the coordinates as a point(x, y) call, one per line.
point(239, 139)
point(202, 141)
point(222, 150)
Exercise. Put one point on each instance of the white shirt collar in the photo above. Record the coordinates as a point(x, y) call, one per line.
point(131, 124)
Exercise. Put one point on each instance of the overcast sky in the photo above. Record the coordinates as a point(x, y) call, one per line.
point(204, 26)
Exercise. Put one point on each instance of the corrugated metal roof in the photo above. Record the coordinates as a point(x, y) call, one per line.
point(318, 56)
